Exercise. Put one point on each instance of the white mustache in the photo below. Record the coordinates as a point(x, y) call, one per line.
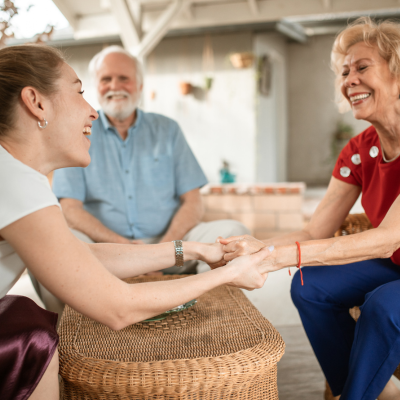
point(116, 93)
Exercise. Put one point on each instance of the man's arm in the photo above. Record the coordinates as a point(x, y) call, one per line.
point(79, 219)
point(187, 217)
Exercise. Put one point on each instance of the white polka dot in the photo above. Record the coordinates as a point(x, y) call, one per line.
point(356, 159)
point(374, 151)
point(345, 172)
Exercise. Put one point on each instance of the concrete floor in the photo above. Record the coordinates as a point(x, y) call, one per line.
point(299, 374)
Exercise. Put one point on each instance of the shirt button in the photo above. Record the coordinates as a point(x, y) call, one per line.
point(124, 145)
point(130, 197)
point(345, 172)
point(127, 171)
point(374, 151)
point(356, 159)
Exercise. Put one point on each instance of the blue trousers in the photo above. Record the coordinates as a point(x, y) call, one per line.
point(357, 359)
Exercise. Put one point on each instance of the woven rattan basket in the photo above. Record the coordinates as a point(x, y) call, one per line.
point(223, 348)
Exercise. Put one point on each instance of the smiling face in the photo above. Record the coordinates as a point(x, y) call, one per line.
point(70, 118)
point(117, 87)
point(367, 83)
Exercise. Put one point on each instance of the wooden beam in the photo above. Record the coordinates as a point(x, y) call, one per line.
point(293, 30)
point(188, 10)
point(327, 4)
point(158, 31)
point(129, 32)
point(253, 7)
point(66, 10)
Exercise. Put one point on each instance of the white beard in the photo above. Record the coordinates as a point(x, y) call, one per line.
point(119, 110)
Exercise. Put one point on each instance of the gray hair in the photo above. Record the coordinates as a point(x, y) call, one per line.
point(97, 60)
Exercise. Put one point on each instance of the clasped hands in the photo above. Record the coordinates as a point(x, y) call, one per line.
point(248, 258)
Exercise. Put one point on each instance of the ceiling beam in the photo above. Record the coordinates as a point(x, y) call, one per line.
point(67, 11)
point(129, 31)
point(253, 6)
point(292, 30)
point(158, 31)
point(218, 13)
point(327, 4)
point(188, 10)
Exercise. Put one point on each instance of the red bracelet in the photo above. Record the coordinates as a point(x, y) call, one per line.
point(299, 265)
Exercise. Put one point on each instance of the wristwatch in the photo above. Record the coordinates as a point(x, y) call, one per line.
point(178, 253)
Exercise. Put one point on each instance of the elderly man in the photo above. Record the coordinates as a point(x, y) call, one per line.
point(143, 182)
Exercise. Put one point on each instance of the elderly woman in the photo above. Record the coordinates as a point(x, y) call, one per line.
point(44, 121)
point(364, 269)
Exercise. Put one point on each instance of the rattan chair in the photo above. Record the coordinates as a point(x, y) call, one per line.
point(354, 223)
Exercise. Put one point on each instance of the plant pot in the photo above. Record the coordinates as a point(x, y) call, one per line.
point(242, 60)
point(185, 88)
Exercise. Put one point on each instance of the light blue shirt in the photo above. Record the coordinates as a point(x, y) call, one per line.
point(133, 186)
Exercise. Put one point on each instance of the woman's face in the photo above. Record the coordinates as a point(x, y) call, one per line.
point(69, 118)
point(367, 83)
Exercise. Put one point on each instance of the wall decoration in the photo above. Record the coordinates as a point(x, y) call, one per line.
point(264, 75)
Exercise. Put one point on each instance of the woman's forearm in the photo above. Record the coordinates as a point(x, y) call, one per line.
point(145, 300)
point(125, 261)
point(375, 243)
point(289, 238)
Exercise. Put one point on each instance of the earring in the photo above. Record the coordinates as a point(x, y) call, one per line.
point(44, 124)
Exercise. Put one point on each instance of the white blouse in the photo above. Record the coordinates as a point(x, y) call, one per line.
point(22, 192)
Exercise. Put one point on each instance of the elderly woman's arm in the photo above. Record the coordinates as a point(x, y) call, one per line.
point(68, 268)
point(380, 242)
point(328, 217)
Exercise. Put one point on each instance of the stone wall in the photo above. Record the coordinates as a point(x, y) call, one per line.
point(267, 210)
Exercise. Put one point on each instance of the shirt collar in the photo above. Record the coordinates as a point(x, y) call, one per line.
point(106, 123)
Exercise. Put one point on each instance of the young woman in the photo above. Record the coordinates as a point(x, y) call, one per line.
point(44, 121)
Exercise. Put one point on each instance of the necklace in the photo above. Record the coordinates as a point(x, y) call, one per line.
point(383, 155)
point(392, 159)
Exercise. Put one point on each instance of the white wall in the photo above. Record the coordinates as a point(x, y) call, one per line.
point(271, 112)
point(218, 124)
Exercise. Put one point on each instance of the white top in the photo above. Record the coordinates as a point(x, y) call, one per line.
point(22, 192)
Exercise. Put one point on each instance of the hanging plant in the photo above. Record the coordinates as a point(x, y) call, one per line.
point(208, 81)
point(242, 60)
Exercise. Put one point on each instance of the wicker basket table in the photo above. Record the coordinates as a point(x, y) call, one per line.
point(222, 348)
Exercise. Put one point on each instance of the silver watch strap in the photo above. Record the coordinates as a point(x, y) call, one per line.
point(178, 253)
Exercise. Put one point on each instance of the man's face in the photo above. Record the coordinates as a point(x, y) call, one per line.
point(117, 88)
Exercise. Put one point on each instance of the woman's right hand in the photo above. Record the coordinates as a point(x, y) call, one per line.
point(247, 271)
point(237, 246)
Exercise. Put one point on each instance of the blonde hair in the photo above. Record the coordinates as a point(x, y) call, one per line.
point(384, 35)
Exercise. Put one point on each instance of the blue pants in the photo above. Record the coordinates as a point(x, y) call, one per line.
point(357, 359)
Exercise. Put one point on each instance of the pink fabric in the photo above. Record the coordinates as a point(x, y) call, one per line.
point(28, 340)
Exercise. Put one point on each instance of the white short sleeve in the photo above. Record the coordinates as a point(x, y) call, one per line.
point(23, 190)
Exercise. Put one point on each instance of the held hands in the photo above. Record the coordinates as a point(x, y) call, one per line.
point(237, 246)
point(249, 271)
point(213, 255)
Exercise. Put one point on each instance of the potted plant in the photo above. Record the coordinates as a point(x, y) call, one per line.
point(185, 88)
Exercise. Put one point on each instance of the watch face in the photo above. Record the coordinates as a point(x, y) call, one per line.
point(172, 311)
